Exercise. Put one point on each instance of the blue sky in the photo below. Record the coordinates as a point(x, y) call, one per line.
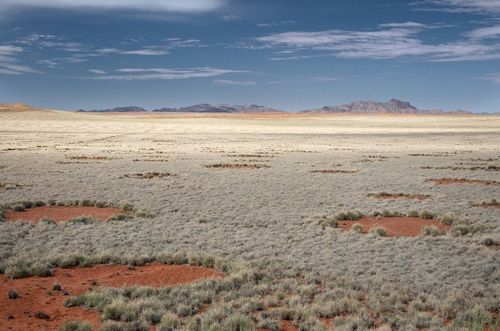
point(288, 54)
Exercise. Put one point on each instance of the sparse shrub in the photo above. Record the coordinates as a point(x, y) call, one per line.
point(356, 227)
point(432, 230)
point(76, 326)
point(239, 323)
point(13, 294)
point(448, 218)
point(52, 202)
point(348, 216)
point(82, 220)
point(427, 215)
point(488, 241)
point(21, 268)
point(379, 231)
point(128, 207)
point(465, 229)
point(19, 208)
point(118, 217)
point(56, 287)
point(39, 203)
point(169, 322)
point(413, 213)
point(47, 220)
point(124, 326)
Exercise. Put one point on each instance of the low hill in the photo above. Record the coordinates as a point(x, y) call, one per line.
point(392, 106)
point(15, 107)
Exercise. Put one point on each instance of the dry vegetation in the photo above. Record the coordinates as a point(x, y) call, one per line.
point(275, 231)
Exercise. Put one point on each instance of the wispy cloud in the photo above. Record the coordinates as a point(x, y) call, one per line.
point(166, 73)
point(9, 64)
point(146, 51)
point(485, 33)
point(495, 77)
point(389, 41)
point(222, 82)
point(275, 24)
point(97, 71)
point(490, 7)
point(175, 6)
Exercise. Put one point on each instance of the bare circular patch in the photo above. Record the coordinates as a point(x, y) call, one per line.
point(395, 226)
point(33, 292)
point(61, 213)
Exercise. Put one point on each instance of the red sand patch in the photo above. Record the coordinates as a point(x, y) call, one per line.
point(451, 181)
point(19, 314)
point(395, 226)
point(288, 326)
point(399, 196)
point(61, 213)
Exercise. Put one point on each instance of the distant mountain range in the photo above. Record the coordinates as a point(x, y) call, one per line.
point(201, 108)
point(392, 106)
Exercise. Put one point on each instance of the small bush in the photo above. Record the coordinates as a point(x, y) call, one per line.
point(19, 208)
point(427, 215)
point(448, 218)
point(413, 213)
point(239, 323)
point(169, 322)
point(379, 231)
point(76, 326)
point(465, 229)
point(432, 230)
point(52, 202)
point(82, 220)
point(356, 227)
point(488, 241)
point(13, 294)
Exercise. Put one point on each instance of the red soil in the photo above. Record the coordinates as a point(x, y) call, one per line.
point(399, 196)
point(19, 314)
point(288, 326)
point(450, 181)
point(395, 226)
point(61, 213)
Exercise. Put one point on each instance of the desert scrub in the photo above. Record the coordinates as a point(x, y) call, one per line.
point(379, 231)
point(447, 218)
point(76, 326)
point(432, 230)
point(21, 268)
point(426, 215)
point(357, 228)
point(466, 229)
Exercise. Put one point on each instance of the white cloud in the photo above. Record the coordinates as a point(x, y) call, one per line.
point(485, 33)
point(390, 41)
point(222, 82)
point(97, 71)
point(493, 77)
point(166, 73)
point(146, 51)
point(176, 6)
point(490, 7)
point(8, 61)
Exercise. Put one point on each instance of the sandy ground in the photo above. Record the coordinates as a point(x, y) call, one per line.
point(259, 214)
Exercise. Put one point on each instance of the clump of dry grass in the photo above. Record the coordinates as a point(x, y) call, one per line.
point(432, 230)
point(149, 175)
point(379, 231)
point(237, 165)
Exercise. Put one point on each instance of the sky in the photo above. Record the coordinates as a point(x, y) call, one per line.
point(287, 54)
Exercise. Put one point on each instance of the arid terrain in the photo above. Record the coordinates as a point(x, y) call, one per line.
point(270, 201)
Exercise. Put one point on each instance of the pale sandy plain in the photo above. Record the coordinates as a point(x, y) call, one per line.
point(268, 217)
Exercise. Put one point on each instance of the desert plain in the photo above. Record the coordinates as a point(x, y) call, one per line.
point(265, 199)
